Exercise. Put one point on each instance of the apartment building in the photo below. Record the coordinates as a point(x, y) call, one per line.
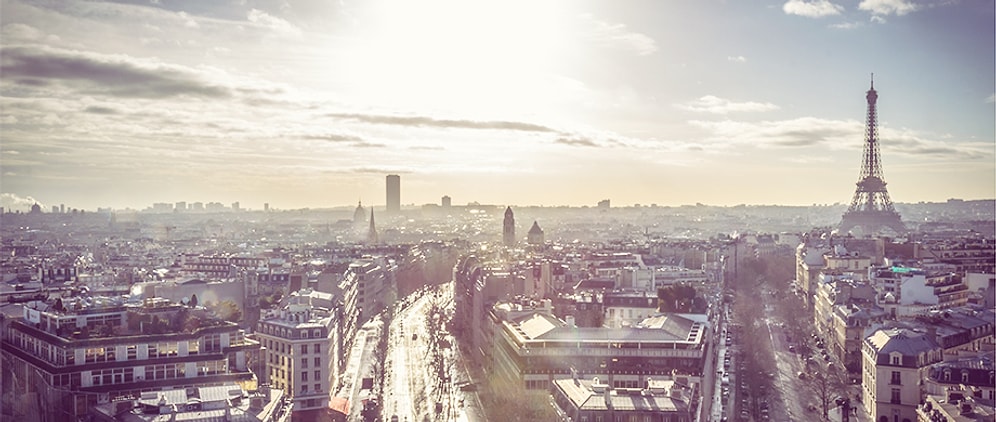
point(74, 353)
point(302, 348)
point(367, 286)
point(909, 291)
point(894, 363)
point(628, 308)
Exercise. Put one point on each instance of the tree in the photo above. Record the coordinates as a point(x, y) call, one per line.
point(828, 384)
point(228, 311)
point(57, 305)
point(676, 298)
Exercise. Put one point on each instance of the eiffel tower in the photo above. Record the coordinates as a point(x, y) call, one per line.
point(871, 209)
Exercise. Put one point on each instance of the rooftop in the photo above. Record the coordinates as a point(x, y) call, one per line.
point(662, 396)
point(903, 341)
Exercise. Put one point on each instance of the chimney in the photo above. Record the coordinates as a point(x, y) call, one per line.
point(570, 321)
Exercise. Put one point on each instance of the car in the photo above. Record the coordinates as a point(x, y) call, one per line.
point(802, 375)
point(792, 348)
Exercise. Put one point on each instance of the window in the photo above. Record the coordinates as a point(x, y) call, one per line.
point(304, 388)
point(317, 347)
point(896, 396)
point(897, 360)
point(318, 388)
point(318, 375)
point(304, 349)
point(304, 376)
point(212, 343)
point(895, 378)
point(304, 363)
point(318, 362)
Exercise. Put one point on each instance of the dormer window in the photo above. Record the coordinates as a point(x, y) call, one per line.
point(896, 359)
point(947, 375)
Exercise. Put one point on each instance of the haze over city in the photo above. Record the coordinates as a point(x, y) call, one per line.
point(310, 103)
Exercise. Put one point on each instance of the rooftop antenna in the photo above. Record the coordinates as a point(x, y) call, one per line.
point(873, 80)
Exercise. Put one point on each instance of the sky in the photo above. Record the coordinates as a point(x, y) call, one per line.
point(311, 103)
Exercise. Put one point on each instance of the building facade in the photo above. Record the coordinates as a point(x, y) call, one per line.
point(75, 354)
point(532, 348)
point(393, 193)
point(302, 349)
point(508, 228)
point(894, 363)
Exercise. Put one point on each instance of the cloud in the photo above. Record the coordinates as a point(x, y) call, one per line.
point(12, 201)
point(335, 137)
point(98, 74)
point(188, 21)
point(349, 140)
point(617, 35)
point(800, 132)
point(22, 32)
point(424, 121)
point(713, 104)
point(577, 141)
point(846, 25)
point(888, 7)
point(991, 99)
point(274, 23)
point(837, 134)
point(737, 59)
point(100, 110)
point(812, 9)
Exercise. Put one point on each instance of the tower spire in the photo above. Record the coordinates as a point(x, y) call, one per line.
point(372, 232)
point(871, 209)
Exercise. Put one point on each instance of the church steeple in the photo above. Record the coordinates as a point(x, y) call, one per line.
point(372, 233)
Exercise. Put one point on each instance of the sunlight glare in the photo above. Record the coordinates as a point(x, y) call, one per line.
point(448, 55)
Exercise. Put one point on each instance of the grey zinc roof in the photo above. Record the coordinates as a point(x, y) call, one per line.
point(906, 342)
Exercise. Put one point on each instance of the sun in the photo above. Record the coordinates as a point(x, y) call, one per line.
point(475, 57)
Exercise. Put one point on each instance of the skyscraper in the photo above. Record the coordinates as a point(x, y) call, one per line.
point(508, 229)
point(871, 209)
point(393, 193)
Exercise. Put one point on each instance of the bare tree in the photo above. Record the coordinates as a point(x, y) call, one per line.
point(828, 385)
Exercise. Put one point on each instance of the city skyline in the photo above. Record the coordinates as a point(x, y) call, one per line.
point(311, 104)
